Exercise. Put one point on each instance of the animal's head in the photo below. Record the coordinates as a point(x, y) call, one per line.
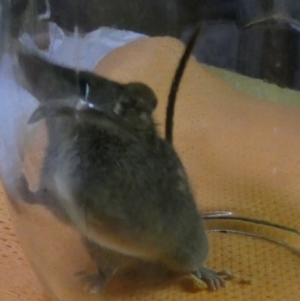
point(86, 96)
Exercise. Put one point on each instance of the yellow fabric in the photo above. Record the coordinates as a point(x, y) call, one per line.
point(242, 155)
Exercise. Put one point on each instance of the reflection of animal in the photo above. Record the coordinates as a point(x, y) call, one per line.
point(109, 174)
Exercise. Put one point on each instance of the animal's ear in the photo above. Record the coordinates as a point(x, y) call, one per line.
point(45, 80)
point(141, 96)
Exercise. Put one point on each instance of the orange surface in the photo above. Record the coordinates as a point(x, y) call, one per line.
point(242, 155)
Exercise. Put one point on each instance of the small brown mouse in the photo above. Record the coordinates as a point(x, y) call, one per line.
point(109, 174)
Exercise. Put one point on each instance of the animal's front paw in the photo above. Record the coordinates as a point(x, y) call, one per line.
point(23, 190)
point(213, 280)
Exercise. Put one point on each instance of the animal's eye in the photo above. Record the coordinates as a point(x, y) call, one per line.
point(131, 107)
point(125, 107)
point(132, 104)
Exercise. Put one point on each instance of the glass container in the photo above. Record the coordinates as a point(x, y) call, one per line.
point(236, 131)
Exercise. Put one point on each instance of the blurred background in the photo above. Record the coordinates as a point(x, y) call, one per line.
point(256, 38)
